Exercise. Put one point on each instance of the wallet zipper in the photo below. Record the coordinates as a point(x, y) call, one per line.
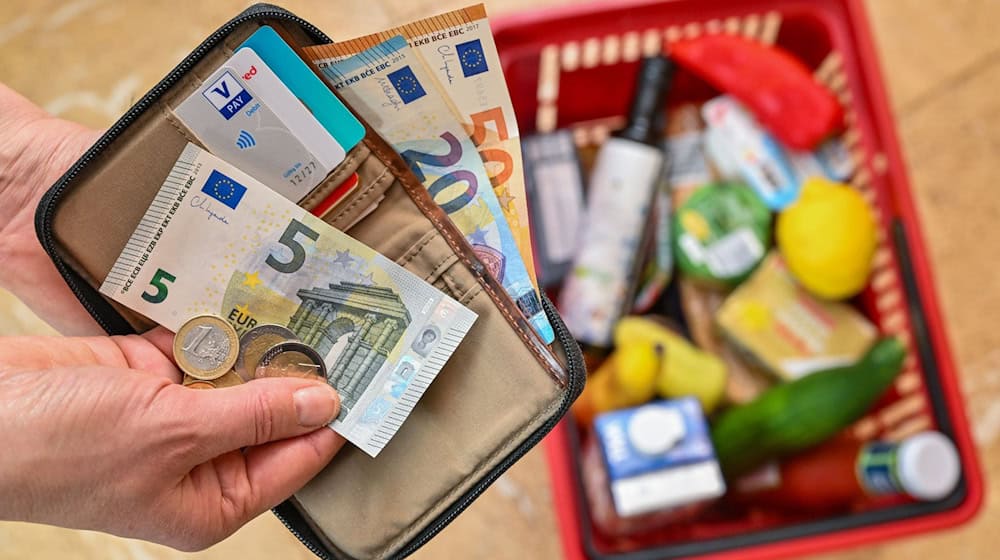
point(83, 292)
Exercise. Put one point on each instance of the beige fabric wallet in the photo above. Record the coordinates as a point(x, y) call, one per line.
point(502, 390)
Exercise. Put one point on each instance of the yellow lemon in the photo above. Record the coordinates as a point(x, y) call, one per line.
point(828, 239)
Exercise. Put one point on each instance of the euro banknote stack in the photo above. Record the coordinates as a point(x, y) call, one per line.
point(434, 89)
point(217, 243)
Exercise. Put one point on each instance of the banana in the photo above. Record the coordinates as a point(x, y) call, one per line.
point(684, 370)
point(627, 378)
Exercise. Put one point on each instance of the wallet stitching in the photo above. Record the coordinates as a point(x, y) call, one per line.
point(454, 287)
point(544, 413)
point(375, 184)
point(416, 248)
point(471, 294)
point(442, 265)
point(376, 149)
point(174, 122)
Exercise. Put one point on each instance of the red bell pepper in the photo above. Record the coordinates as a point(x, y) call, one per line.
point(777, 87)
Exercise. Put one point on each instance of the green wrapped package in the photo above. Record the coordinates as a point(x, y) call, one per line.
point(721, 233)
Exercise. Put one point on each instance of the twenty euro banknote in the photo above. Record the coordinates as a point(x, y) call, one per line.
point(458, 47)
point(396, 94)
point(214, 240)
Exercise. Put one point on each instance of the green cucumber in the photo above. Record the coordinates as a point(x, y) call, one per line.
point(795, 416)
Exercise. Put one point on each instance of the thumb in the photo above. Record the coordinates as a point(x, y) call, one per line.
point(260, 411)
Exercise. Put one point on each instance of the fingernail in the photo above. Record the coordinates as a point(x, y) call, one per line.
point(316, 406)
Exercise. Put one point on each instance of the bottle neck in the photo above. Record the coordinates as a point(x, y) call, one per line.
point(652, 82)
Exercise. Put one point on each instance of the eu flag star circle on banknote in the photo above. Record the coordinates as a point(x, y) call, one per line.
point(406, 85)
point(224, 189)
point(471, 55)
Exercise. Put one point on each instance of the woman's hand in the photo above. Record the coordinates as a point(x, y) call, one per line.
point(35, 150)
point(98, 434)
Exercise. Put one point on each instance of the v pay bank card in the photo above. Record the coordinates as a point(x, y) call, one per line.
point(245, 115)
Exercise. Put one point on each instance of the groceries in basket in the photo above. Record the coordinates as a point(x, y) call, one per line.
point(751, 328)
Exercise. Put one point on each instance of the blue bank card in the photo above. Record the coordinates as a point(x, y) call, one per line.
point(303, 82)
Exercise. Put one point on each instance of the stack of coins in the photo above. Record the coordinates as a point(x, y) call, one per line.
point(211, 355)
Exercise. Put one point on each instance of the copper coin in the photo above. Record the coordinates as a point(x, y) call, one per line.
point(229, 379)
point(199, 385)
point(254, 343)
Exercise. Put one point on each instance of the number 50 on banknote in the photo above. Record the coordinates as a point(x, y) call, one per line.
point(216, 241)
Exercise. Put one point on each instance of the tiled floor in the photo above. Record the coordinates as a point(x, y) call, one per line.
point(89, 59)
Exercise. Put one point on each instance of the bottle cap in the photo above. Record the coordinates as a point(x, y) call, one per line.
point(928, 466)
point(654, 430)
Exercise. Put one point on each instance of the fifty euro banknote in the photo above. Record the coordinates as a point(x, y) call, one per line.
point(395, 93)
point(458, 48)
point(214, 240)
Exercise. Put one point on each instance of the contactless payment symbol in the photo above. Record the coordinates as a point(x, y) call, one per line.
point(471, 56)
point(406, 84)
point(227, 95)
point(224, 189)
point(245, 140)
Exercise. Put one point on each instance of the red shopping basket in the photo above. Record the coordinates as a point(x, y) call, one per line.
point(575, 66)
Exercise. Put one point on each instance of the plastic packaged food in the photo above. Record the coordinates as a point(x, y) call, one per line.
point(651, 465)
point(721, 233)
point(788, 331)
point(554, 186)
point(741, 146)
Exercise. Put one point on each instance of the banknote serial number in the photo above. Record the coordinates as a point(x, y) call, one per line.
point(440, 36)
point(148, 250)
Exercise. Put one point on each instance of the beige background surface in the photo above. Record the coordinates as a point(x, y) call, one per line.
point(90, 59)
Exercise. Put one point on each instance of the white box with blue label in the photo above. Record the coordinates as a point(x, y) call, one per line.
point(659, 456)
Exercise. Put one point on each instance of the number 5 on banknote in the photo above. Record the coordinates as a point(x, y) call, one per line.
point(298, 252)
point(159, 281)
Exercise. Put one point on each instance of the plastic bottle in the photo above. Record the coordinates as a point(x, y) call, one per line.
point(843, 472)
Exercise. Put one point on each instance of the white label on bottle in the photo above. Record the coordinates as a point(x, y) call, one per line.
point(621, 191)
